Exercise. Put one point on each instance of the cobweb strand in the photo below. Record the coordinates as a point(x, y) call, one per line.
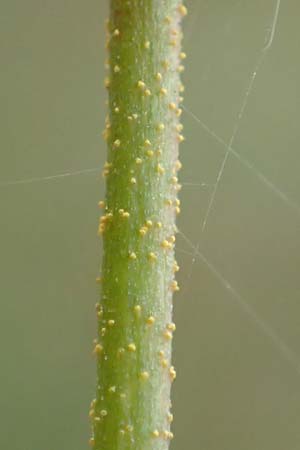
point(288, 354)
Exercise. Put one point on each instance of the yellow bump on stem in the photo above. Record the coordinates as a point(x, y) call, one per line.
point(174, 180)
point(171, 326)
point(124, 214)
point(129, 118)
point(132, 256)
point(160, 169)
point(180, 138)
point(178, 112)
point(167, 434)
point(181, 88)
point(103, 219)
point(110, 322)
point(161, 353)
point(103, 413)
point(112, 389)
point(107, 82)
point(175, 267)
point(150, 153)
point(168, 20)
point(91, 413)
point(129, 428)
point(163, 91)
point(117, 143)
point(172, 106)
point(138, 161)
point(149, 223)
point(98, 349)
point(178, 165)
point(164, 363)
point(158, 225)
point(131, 347)
point(116, 32)
point(143, 231)
point(177, 210)
point(107, 165)
point(150, 320)
point(98, 280)
point(117, 109)
point(147, 44)
point(170, 417)
point(182, 55)
point(133, 180)
point(180, 68)
point(172, 239)
point(167, 335)
point(101, 229)
point(168, 202)
point(174, 286)
point(144, 376)
point(158, 76)
point(147, 143)
point(179, 127)
point(155, 433)
point(137, 310)
point(92, 442)
point(147, 92)
point(152, 257)
point(117, 68)
point(182, 10)
point(135, 116)
point(166, 245)
point(101, 204)
point(172, 373)
point(141, 84)
point(160, 127)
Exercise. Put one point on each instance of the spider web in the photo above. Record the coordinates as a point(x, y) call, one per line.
point(197, 246)
point(214, 187)
point(262, 324)
point(202, 249)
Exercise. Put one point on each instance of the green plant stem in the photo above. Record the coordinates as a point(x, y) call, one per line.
point(132, 406)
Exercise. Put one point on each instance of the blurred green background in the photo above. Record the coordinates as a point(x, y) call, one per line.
point(237, 348)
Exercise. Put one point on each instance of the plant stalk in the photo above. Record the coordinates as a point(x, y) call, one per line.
point(131, 410)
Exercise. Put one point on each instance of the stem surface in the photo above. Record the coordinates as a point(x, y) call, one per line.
point(132, 406)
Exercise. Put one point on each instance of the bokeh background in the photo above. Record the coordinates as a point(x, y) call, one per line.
point(237, 345)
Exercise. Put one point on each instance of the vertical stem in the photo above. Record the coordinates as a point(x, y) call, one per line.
point(132, 406)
